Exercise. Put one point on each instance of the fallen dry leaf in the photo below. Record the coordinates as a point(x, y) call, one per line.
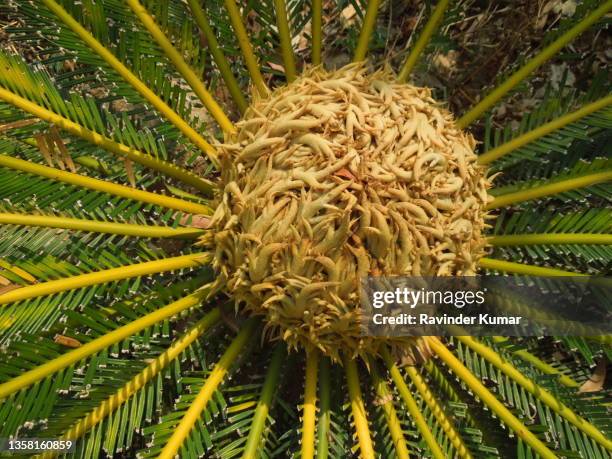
point(18, 124)
point(44, 149)
point(129, 169)
point(596, 382)
point(8, 288)
point(197, 221)
point(61, 146)
point(277, 67)
point(567, 8)
point(446, 62)
point(379, 401)
point(67, 341)
point(349, 14)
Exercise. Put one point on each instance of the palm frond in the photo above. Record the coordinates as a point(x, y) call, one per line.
point(101, 185)
point(124, 229)
point(132, 79)
point(584, 179)
point(505, 415)
point(488, 101)
point(258, 423)
point(358, 410)
point(521, 398)
point(542, 227)
point(28, 378)
point(59, 373)
point(245, 45)
point(412, 407)
point(396, 443)
point(495, 265)
point(218, 55)
point(422, 41)
point(441, 417)
point(542, 394)
point(100, 277)
point(102, 141)
point(184, 428)
point(186, 71)
point(563, 125)
point(104, 193)
point(134, 386)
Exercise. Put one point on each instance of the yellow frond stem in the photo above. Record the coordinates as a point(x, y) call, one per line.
point(552, 126)
point(130, 388)
point(550, 238)
point(183, 68)
point(245, 45)
point(86, 350)
point(385, 399)
point(547, 53)
point(222, 64)
point(360, 418)
point(412, 406)
point(102, 277)
point(109, 145)
point(258, 424)
point(369, 22)
point(490, 400)
point(454, 437)
point(317, 31)
point(549, 189)
point(539, 363)
point(125, 229)
point(215, 377)
point(537, 391)
point(424, 38)
point(103, 186)
point(520, 268)
point(603, 339)
point(324, 420)
point(285, 39)
point(310, 404)
point(132, 79)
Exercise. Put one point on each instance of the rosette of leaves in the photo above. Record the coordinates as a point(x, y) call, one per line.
point(183, 228)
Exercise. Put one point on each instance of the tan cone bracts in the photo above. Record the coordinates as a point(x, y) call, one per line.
point(337, 176)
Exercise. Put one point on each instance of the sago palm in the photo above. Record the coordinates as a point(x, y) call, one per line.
point(180, 278)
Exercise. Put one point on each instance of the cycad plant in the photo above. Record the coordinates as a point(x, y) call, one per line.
point(181, 239)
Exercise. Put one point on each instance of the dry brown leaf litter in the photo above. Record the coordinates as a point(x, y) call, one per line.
point(338, 176)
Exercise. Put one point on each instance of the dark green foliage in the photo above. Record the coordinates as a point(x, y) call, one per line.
point(58, 71)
